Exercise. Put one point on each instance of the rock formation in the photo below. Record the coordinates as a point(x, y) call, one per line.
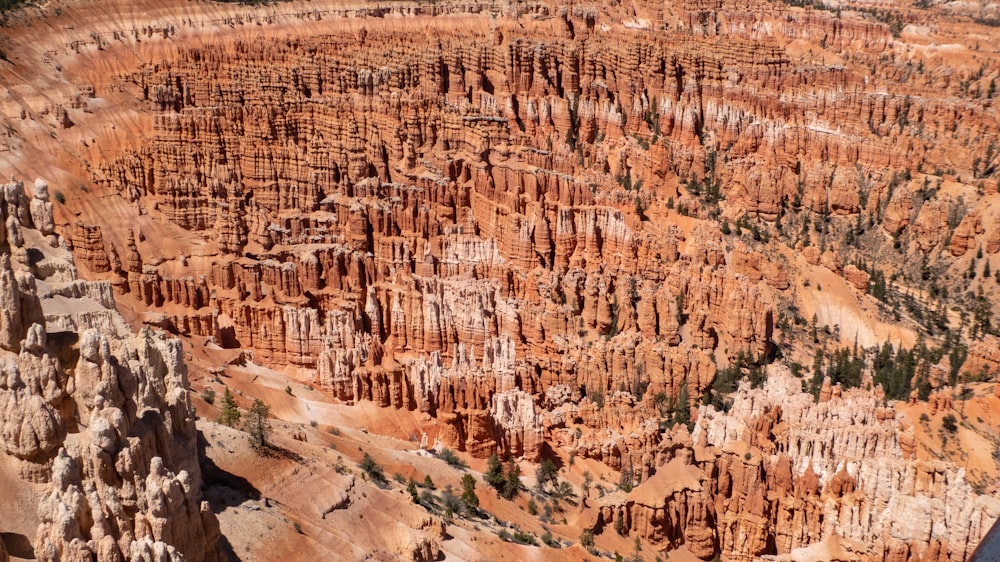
point(100, 416)
point(546, 226)
point(778, 472)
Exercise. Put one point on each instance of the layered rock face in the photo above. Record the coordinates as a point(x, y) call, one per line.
point(779, 472)
point(99, 416)
point(510, 223)
point(385, 211)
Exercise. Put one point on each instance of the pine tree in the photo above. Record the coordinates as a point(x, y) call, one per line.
point(816, 384)
point(547, 473)
point(512, 483)
point(494, 473)
point(682, 407)
point(981, 314)
point(893, 374)
point(230, 413)
point(258, 425)
point(469, 496)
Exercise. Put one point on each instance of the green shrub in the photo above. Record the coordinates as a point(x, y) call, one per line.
point(373, 469)
point(208, 395)
point(230, 413)
point(949, 424)
point(549, 541)
point(449, 456)
point(258, 425)
point(450, 501)
point(522, 537)
point(469, 496)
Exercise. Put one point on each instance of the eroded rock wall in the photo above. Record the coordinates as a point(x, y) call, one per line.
point(509, 225)
point(99, 416)
point(383, 207)
point(779, 472)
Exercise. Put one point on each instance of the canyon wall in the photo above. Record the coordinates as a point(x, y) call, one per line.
point(382, 212)
point(545, 225)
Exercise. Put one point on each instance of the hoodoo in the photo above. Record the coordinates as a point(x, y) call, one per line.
point(476, 280)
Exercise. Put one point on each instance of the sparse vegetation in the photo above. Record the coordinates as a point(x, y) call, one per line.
point(257, 424)
point(230, 413)
point(512, 482)
point(597, 397)
point(546, 475)
point(949, 424)
point(449, 456)
point(522, 537)
point(372, 469)
point(587, 538)
point(507, 484)
point(469, 497)
point(208, 395)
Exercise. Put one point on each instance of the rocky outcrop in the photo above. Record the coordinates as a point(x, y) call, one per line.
point(983, 360)
point(858, 278)
point(931, 226)
point(517, 424)
point(778, 473)
point(112, 436)
point(964, 237)
point(41, 208)
point(88, 247)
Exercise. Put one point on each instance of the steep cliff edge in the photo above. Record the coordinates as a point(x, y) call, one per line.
point(98, 418)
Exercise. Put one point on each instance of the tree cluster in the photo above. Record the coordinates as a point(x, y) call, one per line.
point(507, 484)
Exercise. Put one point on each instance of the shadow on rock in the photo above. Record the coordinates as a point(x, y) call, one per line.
point(18, 546)
point(223, 490)
point(217, 481)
